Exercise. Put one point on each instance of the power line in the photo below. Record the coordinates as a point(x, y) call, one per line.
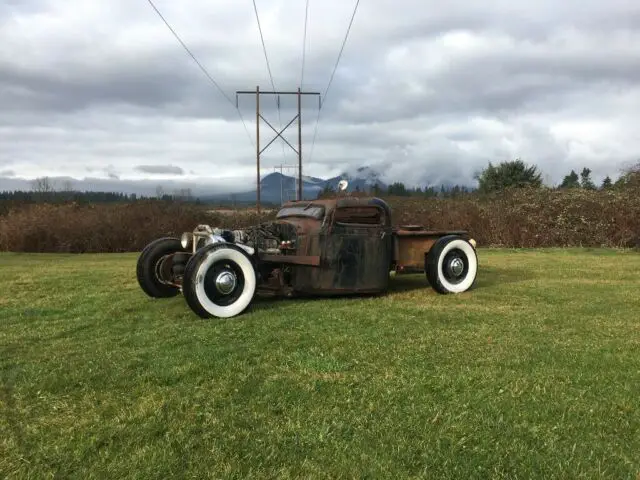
point(266, 58)
point(189, 52)
point(344, 42)
point(335, 67)
point(204, 70)
point(304, 42)
point(264, 48)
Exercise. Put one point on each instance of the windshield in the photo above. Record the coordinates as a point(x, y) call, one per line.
point(311, 211)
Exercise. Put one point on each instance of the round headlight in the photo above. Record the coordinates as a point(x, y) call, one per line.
point(473, 243)
point(187, 238)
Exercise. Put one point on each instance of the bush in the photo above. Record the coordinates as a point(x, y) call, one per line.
point(515, 174)
point(519, 217)
point(534, 217)
point(77, 228)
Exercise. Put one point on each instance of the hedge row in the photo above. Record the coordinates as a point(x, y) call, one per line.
point(520, 218)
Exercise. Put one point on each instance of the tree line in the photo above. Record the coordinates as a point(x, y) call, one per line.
point(506, 175)
point(493, 178)
point(44, 190)
point(30, 196)
point(517, 174)
point(399, 189)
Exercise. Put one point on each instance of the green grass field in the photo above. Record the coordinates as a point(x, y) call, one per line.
point(535, 373)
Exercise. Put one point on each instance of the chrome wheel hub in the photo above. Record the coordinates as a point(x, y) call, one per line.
point(456, 266)
point(225, 282)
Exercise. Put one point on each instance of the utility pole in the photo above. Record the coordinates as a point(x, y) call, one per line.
point(259, 116)
point(281, 167)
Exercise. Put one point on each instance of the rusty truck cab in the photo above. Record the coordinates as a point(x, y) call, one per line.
point(351, 240)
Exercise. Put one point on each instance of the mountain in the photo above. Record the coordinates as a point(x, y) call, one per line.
point(363, 179)
point(276, 187)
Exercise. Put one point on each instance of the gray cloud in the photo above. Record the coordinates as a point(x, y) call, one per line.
point(425, 92)
point(145, 187)
point(7, 173)
point(111, 172)
point(160, 169)
point(37, 91)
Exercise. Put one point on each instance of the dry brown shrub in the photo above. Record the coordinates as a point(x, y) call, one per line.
point(534, 218)
point(517, 218)
point(103, 227)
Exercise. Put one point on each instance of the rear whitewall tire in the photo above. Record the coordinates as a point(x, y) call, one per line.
point(449, 255)
point(233, 269)
point(147, 267)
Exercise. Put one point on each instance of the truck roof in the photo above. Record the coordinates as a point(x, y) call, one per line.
point(342, 201)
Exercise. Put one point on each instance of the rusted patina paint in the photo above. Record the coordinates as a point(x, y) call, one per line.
point(311, 260)
point(353, 242)
point(352, 247)
point(332, 246)
point(412, 243)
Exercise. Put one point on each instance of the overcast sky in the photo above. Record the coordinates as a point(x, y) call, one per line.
point(426, 91)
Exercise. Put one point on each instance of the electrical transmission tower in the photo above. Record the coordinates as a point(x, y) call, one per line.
point(257, 93)
point(284, 192)
point(259, 117)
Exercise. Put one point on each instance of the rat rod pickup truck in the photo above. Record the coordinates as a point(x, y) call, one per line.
point(343, 245)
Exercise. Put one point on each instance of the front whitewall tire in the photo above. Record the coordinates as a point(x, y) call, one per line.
point(220, 281)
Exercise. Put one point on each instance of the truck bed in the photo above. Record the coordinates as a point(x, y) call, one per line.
point(411, 243)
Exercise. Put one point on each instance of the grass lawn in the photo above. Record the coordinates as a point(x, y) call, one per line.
point(535, 373)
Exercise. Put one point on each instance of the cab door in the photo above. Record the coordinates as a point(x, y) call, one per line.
point(357, 249)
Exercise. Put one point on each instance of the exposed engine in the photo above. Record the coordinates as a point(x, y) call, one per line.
point(269, 237)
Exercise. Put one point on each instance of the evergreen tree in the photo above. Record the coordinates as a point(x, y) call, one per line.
point(585, 179)
point(398, 188)
point(508, 174)
point(430, 192)
point(571, 181)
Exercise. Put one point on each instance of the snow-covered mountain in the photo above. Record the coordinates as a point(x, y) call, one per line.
point(276, 187)
point(363, 179)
